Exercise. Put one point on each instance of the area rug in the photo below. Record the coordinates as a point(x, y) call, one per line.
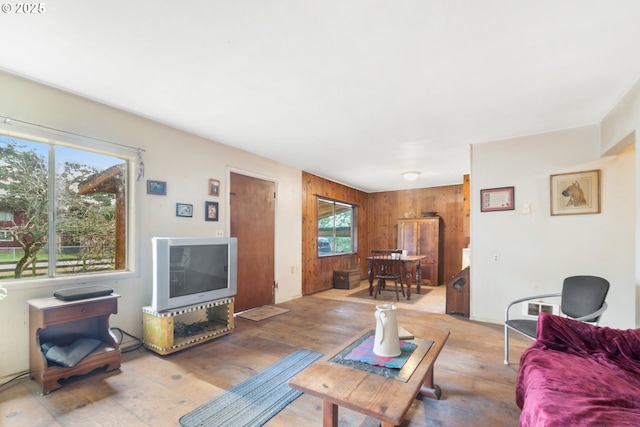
point(256, 400)
point(261, 313)
point(390, 296)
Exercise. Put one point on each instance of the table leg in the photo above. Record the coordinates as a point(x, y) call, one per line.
point(429, 389)
point(370, 274)
point(329, 414)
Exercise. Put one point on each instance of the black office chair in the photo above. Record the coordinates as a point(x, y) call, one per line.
point(387, 266)
point(582, 298)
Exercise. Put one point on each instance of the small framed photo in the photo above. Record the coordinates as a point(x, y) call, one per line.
point(497, 199)
point(184, 210)
point(575, 193)
point(214, 187)
point(156, 187)
point(210, 211)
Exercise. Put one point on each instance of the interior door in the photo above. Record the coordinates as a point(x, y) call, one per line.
point(252, 220)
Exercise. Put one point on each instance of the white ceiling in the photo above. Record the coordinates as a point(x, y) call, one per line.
point(357, 91)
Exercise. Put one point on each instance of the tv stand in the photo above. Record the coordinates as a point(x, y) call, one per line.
point(166, 332)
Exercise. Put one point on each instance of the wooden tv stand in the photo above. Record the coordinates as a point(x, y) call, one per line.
point(63, 322)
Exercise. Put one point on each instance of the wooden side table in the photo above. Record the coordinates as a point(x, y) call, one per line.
point(63, 322)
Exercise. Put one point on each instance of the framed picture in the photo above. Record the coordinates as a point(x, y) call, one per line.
point(497, 199)
point(214, 187)
point(156, 187)
point(575, 193)
point(210, 211)
point(184, 210)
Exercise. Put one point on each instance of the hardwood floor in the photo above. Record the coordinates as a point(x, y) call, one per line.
point(153, 390)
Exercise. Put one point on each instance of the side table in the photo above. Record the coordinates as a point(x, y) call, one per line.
point(63, 322)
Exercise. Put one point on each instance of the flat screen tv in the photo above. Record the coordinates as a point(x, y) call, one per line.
point(189, 271)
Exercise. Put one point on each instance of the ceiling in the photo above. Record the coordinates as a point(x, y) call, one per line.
point(357, 91)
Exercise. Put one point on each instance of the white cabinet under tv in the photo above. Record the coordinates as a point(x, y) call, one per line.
point(173, 330)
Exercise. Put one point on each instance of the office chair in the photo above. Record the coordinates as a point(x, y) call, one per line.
point(582, 298)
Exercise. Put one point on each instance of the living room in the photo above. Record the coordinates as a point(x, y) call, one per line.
point(536, 250)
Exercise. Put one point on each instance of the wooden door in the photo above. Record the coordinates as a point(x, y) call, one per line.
point(252, 217)
point(408, 236)
point(428, 239)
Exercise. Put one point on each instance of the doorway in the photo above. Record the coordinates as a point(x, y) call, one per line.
point(252, 222)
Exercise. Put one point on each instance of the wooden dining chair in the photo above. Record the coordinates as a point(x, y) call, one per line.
point(387, 266)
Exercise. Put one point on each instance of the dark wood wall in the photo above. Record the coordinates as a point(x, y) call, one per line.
point(317, 272)
point(377, 225)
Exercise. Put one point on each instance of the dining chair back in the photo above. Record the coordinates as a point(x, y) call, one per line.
point(387, 266)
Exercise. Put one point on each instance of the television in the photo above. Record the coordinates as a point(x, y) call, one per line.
point(188, 271)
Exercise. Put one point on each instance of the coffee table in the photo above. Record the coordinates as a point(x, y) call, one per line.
point(376, 396)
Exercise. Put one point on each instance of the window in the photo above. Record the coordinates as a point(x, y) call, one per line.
point(6, 216)
point(335, 228)
point(5, 236)
point(67, 206)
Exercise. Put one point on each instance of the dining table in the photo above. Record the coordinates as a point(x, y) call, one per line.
point(410, 265)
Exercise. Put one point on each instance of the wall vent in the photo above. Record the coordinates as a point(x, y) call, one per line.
point(533, 309)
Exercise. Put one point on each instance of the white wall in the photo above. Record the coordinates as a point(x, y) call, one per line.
point(620, 125)
point(537, 250)
point(185, 162)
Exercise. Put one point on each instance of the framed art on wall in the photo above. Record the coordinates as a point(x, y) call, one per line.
point(156, 187)
point(210, 211)
point(184, 210)
point(497, 199)
point(214, 187)
point(575, 193)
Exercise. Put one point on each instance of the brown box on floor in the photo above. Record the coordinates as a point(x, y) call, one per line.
point(347, 279)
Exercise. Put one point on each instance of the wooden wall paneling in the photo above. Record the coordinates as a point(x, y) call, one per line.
point(318, 271)
point(378, 215)
point(386, 208)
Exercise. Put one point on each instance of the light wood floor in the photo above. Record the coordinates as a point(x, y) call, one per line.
point(152, 390)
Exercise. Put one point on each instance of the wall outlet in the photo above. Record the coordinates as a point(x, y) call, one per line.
point(219, 233)
point(496, 257)
point(533, 309)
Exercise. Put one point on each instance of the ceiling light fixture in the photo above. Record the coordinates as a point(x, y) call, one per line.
point(410, 176)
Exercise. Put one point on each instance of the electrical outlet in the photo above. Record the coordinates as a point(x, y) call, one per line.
point(219, 233)
point(496, 258)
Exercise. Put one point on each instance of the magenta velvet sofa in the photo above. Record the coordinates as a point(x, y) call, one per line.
point(577, 374)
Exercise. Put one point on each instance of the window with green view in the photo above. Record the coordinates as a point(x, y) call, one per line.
point(335, 228)
point(64, 210)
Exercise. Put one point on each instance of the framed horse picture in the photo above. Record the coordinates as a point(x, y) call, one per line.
point(575, 193)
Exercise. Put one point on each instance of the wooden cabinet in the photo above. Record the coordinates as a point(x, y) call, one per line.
point(173, 330)
point(421, 236)
point(63, 322)
point(458, 294)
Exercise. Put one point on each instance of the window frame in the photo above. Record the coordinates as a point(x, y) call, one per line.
point(55, 138)
point(334, 236)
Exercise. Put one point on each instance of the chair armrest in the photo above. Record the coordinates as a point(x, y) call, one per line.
point(512, 303)
point(595, 314)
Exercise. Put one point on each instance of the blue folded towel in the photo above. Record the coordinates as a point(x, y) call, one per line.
point(70, 355)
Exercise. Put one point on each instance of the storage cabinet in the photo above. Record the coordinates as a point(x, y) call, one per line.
point(62, 323)
point(173, 330)
point(421, 236)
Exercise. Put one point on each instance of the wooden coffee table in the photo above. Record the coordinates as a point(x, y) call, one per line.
point(376, 396)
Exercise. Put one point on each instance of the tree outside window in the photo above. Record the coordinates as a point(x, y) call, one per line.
point(335, 228)
point(67, 209)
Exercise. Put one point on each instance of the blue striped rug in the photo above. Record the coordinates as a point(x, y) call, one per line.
point(256, 400)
